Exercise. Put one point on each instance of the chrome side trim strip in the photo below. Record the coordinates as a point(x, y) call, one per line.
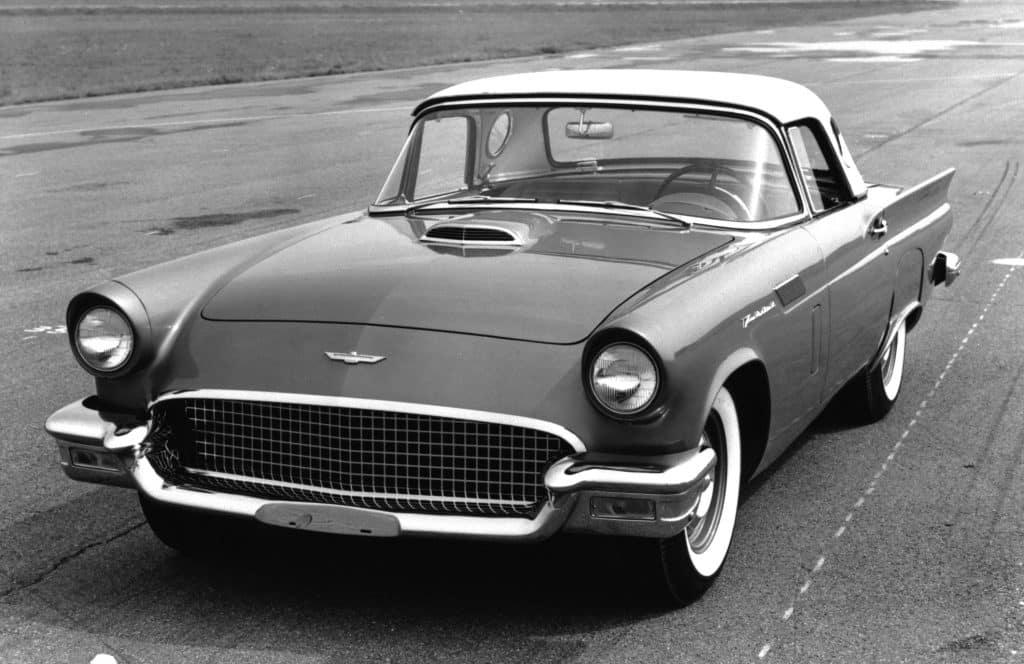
point(883, 247)
point(245, 479)
point(376, 404)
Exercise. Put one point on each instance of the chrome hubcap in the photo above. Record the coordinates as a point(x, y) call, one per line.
point(888, 361)
point(701, 531)
point(704, 502)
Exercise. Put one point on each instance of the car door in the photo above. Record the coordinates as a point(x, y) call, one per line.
point(860, 271)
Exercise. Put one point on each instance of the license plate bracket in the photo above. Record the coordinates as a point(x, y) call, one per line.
point(336, 519)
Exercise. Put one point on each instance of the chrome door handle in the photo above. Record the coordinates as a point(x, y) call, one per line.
point(879, 227)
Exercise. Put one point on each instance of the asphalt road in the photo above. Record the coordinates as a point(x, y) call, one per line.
point(897, 542)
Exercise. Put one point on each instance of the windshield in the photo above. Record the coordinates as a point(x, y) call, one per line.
point(704, 165)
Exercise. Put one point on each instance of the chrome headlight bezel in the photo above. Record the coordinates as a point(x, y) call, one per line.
point(111, 323)
point(123, 302)
point(638, 351)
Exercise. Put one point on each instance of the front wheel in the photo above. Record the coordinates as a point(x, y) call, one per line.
point(693, 559)
point(192, 532)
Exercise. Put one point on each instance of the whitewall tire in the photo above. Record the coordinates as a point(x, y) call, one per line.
point(693, 559)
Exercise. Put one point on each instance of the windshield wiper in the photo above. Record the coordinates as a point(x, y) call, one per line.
point(619, 205)
point(461, 200)
point(481, 198)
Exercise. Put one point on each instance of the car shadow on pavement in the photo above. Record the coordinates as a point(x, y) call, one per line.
point(841, 414)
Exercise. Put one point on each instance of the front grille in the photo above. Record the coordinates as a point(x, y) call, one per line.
point(388, 460)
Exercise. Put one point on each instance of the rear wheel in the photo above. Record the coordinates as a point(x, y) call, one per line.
point(881, 386)
point(693, 559)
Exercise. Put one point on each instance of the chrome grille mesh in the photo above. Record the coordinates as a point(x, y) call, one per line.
point(365, 458)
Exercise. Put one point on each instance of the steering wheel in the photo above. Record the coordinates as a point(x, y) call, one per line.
point(733, 204)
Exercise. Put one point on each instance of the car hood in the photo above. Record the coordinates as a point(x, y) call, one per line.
point(566, 276)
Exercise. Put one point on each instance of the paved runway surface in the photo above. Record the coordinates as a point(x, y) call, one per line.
point(897, 542)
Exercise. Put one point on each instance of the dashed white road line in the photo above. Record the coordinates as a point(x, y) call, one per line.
point(788, 613)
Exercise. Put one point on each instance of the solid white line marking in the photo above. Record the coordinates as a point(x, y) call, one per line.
point(185, 123)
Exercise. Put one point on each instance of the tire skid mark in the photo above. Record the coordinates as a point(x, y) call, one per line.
point(870, 490)
point(1005, 193)
point(986, 447)
point(935, 116)
point(1008, 477)
point(988, 203)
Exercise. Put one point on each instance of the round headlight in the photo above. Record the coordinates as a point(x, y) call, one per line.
point(624, 379)
point(104, 339)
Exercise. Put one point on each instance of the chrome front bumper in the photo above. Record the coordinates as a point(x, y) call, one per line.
point(591, 493)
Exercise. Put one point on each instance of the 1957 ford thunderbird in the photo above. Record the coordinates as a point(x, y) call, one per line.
point(583, 301)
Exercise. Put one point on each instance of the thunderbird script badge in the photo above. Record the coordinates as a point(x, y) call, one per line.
point(354, 358)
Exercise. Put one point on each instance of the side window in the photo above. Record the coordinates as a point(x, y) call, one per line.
point(443, 152)
point(824, 182)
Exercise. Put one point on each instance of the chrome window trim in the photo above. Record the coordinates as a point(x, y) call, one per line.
point(765, 120)
point(377, 404)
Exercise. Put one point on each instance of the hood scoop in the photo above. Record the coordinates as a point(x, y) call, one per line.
point(471, 235)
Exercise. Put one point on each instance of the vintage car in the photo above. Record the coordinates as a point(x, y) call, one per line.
point(584, 301)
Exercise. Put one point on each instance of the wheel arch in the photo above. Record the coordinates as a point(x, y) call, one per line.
point(910, 314)
point(744, 374)
point(751, 392)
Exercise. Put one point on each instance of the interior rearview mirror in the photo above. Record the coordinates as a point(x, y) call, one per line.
point(588, 129)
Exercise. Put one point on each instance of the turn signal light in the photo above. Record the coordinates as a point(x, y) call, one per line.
point(608, 507)
point(94, 460)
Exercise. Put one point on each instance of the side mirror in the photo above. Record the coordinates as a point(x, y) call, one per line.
point(589, 130)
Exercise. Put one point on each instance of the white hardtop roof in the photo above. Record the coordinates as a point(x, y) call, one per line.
point(783, 100)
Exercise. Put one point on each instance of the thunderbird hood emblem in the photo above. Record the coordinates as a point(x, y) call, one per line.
point(354, 358)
